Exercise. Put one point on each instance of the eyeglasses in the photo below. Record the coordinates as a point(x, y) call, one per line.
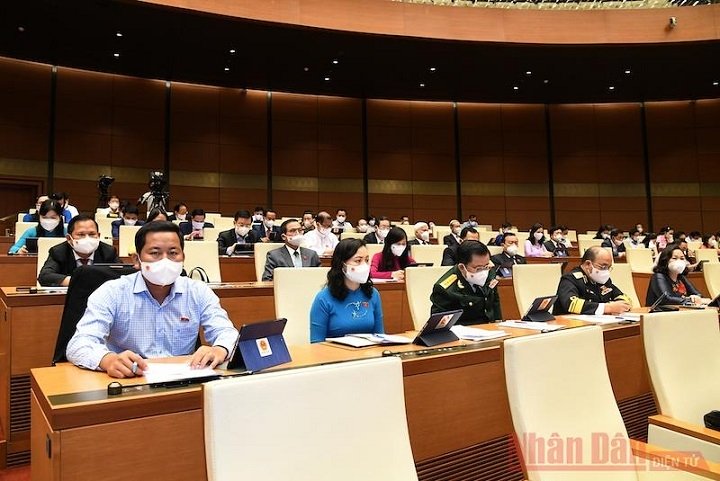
point(486, 267)
point(603, 268)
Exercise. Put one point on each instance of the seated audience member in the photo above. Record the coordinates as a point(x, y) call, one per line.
point(378, 236)
point(258, 216)
point(509, 257)
point(665, 237)
point(603, 231)
point(179, 212)
point(472, 221)
point(588, 289)
point(113, 210)
point(450, 253)
point(669, 279)
point(639, 227)
point(69, 211)
point(501, 233)
point(615, 242)
point(83, 247)
point(321, 240)
point(135, 317)
point(291, 254)
point(680, 236)
point(470, 285)
point(49, 225)
point(33, 215)
point(453, 238)
point(267, 231)
point(404, 220)
point(194, 228)
point(709, 241)
point(635, 242)
point(650, 242)
point(130, 217)
point(308, 222)
point(390, 263)
point(238, 239)
point(156, 215)
point(362, 226)
point(535, 243)
point(555, 245)
point(341, 224)
point(565, 237)
point(372, 223)
point(349, 304)
point(422, 235)
point(694, 236)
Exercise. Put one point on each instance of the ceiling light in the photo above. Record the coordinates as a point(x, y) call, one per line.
point(516, 87)
point(546, 81)
point(232, 51)
point(716, 83)
point(433, 69)
point(335, 62)
point(422, 85)
point(116, 55)
point(306, 69)
point(227, 69)
point(118, 34)
point(327, 79)
point(627, 71)
point(529, 72)
point(21, 29)
point(612, 87)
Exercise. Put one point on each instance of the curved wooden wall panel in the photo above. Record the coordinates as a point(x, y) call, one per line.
point(385, 17)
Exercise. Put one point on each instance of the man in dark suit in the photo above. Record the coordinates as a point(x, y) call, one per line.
point(268, 231)
point(509, 257)
point(129, 217)
point(555, 244)
point(291, 254)
point(382, 229)
point(422, 235)
point(238, 239)
point(616, 243)
point(195, 227)
point(450, 252)
point(454, 237)
point(83, 247)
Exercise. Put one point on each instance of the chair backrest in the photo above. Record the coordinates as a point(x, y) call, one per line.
point(709, 255)
point(352, 235)
point(374, 249)
point(419, 283)
point(621, 276)
point(640, 260)
point(711, 271)
point(44, 245)
point(249, 421)
point(589, 236)
point(682, 349)
point(224, 223)
point(203, 254)
point(486, 236)
point(483, 227)
point(21, 227)
point(295, 289)
point(441, 231)
point(572, 235)
point(428, 253)
point(260, 250)
point(126, 240)
point(495, 250)
point(211, 234)
point(105, 225)
point(693, 246)
point(540, 394)
point(531, 281)
point(211, 216)
point(409, 230)
point(585, 244)
point(21, 216)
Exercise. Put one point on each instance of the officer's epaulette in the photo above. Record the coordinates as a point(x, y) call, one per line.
point(449, 280)
point(578, 275)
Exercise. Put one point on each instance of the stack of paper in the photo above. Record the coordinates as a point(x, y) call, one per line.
point(606, 319)
point(364, 340)
point(157, 372)
point(537, 326)
point(476, 334)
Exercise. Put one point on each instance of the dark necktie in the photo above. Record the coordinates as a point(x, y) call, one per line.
point(84, 261)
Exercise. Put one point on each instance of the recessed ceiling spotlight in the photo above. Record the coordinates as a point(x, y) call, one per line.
point(232, 51)
point(528, 72)
point(422, 85)
point(21, 29)
point(116, 55)
point(118, 34)
point(515, 87)
point(306, 69)
point(546, 81)
point(433, 69)
point(335, 61)
point(628, 71)
point(227, 69)
point(612, 87)
point(327, 79)
point(716, 83)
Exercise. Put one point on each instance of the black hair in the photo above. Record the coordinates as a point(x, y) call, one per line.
point(603, 228)
point(650, 236)
point(615, 233)
point(154, 214)
point(45, 207)
point(178, 205)
point(270, 210)
point(506, 235)
point(665, 229)
point(152, 227)
point(338, 211)
point(554, 228)
point(259, 209)
point(388, 259)
point(345, 249)
point(197, 212)
point(706, 239)
point(506, 225)
point(467, 230)
point(307, 212)
point(664, 258)
point(634, 231)
point(283, 226)
point(51, 205)
point(131, 209)
point(242, 213)
point(59, 195)
point(532, 230)
point(471, 248)
point(80, 218)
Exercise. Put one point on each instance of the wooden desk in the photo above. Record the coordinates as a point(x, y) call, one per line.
point(6, 242)
point(456, 402)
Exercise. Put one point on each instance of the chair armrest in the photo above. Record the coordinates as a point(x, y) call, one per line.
point(689, 429)
point(676, 460)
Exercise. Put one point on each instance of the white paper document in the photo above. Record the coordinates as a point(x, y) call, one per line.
point(536, 326)
point(364, 340)
point(606, 319)
point(173, 371)
point(477, 334)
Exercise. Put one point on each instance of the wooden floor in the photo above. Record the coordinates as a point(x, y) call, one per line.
point(16, 474)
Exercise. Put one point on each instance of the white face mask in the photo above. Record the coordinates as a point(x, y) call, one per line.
point(457, 230)
point(382, 233)
point(161, 273)
point(476, 278)
point(198, 225)
point(295, 240)
point(538, 235)
point(307, 224)
point(512, 249)
point(341, 219)
point(398, 249)
point(258, 217)
point(130, 221)
point(425, 236)
point(242, 231)
point(713, 243)
point(85, 245)
point(358, 273)
point(598, 276)
point(49, 224)
point(181, 216)
point(677, 266)
point(113, 205)
point(269, 224)
point(371, 222)
point(362, 228)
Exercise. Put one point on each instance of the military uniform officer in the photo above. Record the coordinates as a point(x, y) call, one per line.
point(587, 289)
point(469, 285)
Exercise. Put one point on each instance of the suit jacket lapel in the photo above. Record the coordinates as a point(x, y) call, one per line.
point(286, 255)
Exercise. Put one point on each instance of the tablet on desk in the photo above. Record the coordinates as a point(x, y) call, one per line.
point(540, 309)
point(259, 346)
point(437, 329)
